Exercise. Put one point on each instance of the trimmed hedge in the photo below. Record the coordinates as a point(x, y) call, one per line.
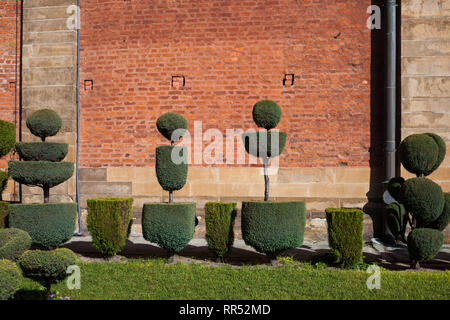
point(419, 153)
point(42, 151)
point(4, 214)
point(444, 219)
point(44, 123)
point(266, 114)
point(4, 175)
point(109, 223)
point(442, 149)
point(259, 143)
point(7, 137)
point(271, 227)
point(423, 198)
point(424, 244)
point(13, 242)
point(49, 225)
point(219, 219)
point(47, 267)
point(171, 176)
point(10, 279)
point(40, 173)
point(345, 235)
point(169, 122)
point(396, 218)
point(169, 225)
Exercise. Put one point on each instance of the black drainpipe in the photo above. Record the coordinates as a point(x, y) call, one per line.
point(390, 88)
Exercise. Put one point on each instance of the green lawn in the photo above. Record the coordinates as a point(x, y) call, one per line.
point(155, 279)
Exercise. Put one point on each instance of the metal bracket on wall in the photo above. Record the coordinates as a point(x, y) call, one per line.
point(179, 81)
point(288, 79)
point(88, 84)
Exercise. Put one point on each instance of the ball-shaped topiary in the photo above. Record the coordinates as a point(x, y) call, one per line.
point(172, 125)
point(7, 137)
point(442, 149)
point(13, 243)
point(444, 219)
point(44, 123)
point(424, 244)
point(266, 114)
point(419, 154)
point(10, 279)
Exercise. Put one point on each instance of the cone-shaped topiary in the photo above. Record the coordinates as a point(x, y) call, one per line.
point(427, 207)
point(44, 123)
point(7, 141)
point(13, 242)
point(10, 279)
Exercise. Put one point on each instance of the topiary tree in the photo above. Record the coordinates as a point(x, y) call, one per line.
point(13, 243)
point(7, 141)
point(170, 225)
point(10, 279)
point(49, 225)
point(270, 227)
point(47, 267)
point(421, 203)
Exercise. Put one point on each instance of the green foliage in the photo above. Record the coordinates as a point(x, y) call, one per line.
point(40, 173)
point(10, 279)
point(109, 222)
point(7, 137)
point(259, 143)
point(42, 151)
point(423, 198)
point(13, 242)
point(47, 267)
point(169, 225)
point(44, 123)
point(4, 214)
point(271, 227)
point(219, 218)
point(345, 235)
point(424, 244)
point(419, 154)
point(49, 225)
point(171, 176)
point(396, 218)
point(441, 152)
point(394, 186)
point(266, 114)
point(4, 175)
point(169, 122)
point(444, 219)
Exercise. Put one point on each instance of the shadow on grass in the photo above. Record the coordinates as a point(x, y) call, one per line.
point(30, 294)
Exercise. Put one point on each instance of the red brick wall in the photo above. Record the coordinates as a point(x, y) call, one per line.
point(8, 61)
point(233, 53)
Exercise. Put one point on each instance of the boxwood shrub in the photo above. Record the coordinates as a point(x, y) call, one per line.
point(4, 214)
point(49, 225)
point(109, 223)
point(424, 244)
point(169, 225)
point(171, 176)
point(42, 151)
point(4, 175)
point(44, 123)
point(219, 218)
point(10, 279)
point(271, 227)
point(345, 235)
point(7, 137)
point(13, 242)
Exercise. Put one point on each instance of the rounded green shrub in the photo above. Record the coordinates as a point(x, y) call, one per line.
point(7, 137)
point(44, 123)
point(266, 114)
point(109, 222)
point(13, 242)
point(47, 267)
point(396, 219)
point(49, 225)
point(272, 227)
point(4, 175)
point(259, 143)
point(171, 175)
point(345, 235)
point(442, 149)
point(424, 244)
point(394, 186)
point(4, 214)
point(423, 198)
point(40, 173)
point(219, 219)
point(10, 279)
point(169, 225)
point(42, 151)
point(444, 219)
point(170, 122)
point(418, 153)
